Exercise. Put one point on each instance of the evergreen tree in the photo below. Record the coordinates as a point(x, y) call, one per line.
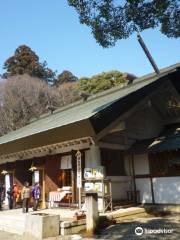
point(65, 77)
point(26, 61)
point(103, 81)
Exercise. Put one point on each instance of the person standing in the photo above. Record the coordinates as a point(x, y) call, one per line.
point(10, 197)
point(2, 195)
point(15, 192)
point(36, 192)
point(25, 193)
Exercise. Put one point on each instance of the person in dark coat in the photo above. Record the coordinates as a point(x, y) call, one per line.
point(36, 192)
point(10, 197)
point(2, 195)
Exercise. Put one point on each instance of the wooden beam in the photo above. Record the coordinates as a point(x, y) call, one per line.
point(42, 151)
point(112, 146)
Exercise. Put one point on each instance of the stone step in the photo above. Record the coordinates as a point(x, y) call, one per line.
point(125, 213)
point(131, 217)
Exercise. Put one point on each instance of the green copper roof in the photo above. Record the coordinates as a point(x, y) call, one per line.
point(81, 111)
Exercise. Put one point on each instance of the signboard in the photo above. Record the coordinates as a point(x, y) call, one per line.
point(79, 170)
point(94, 173)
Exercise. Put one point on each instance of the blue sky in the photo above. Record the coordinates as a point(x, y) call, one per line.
point(52, 30)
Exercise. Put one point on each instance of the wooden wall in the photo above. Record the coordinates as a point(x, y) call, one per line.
point(52, 170)
point(161, 164)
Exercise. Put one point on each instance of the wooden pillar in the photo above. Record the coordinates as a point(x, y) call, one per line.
point(151, 181)
point(134, 180)
point(92, 215)
point(43, 205)
point(74, 171)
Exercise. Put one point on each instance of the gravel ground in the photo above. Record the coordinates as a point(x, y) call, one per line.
point(126, 230)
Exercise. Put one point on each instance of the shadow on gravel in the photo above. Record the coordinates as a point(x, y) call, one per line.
point(126, 230)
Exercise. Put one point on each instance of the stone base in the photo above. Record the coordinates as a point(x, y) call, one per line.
point(41, 225)
point(68, 228)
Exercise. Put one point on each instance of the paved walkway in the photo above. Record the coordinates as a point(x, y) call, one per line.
point(14, 220)
point(126, 230)
point(63, 212)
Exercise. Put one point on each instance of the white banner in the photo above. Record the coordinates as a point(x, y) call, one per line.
point(36, 176)
point(79, 170)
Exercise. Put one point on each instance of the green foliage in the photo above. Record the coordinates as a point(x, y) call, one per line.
point(26, 61)
point(65, 77)
point(111, 20)
point(101, 82)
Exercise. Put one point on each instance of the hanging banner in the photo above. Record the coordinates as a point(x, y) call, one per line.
point(36, 176)
point(79, 170)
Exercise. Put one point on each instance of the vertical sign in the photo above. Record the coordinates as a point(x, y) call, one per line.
point(79, 176)
point(79, 170)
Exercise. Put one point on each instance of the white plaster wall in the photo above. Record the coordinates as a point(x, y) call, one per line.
point(167, 190)
point(92, 157)
point(120, 184)
point(141, 164)
point(144, 186)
